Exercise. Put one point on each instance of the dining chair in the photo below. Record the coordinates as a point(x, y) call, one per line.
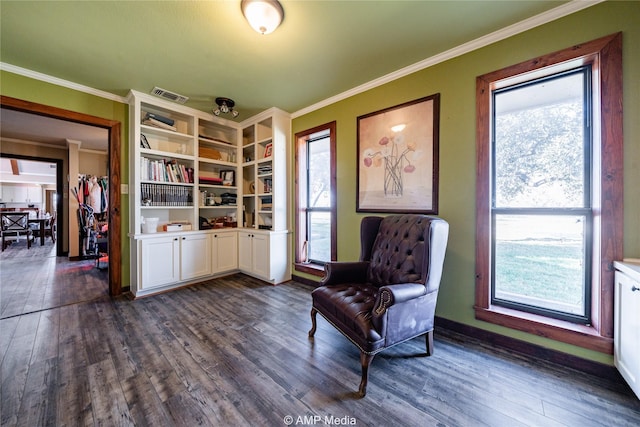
point(14, 226)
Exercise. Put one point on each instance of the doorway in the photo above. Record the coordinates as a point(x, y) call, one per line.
point(50, 205)
point(114, 219)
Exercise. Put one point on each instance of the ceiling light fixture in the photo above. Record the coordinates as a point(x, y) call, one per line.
point(225, 105)
point(264, 16)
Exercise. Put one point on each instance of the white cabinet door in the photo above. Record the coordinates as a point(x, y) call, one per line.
point(20, 194)
point(264, 255)
point(159, 260)
point(245, 251)
point(34, 194)
point(253, 254)
point(627, 329)
point(6, 193)
point(195, 256)
point(14, 193)
point(225, 252)
point(261, 256)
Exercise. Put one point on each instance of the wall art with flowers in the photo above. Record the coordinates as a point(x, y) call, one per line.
point(398, 158)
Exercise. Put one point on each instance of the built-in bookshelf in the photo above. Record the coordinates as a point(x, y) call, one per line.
point(218, 175)
point(186, 166)
point(207, 196)
point(264, 171)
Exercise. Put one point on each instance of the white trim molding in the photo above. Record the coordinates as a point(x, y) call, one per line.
point(503, 33)
point(61, 82)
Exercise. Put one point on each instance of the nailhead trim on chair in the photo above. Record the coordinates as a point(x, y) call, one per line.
point(385, 298)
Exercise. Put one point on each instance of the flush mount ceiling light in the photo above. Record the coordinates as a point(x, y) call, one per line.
point(225, 105)
point(264, 16)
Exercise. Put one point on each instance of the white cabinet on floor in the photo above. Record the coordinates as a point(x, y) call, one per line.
point(224, 251)
point(159, 262)
point(626, 343)
point(173, 258)
point(263, 254)
point(195, 256)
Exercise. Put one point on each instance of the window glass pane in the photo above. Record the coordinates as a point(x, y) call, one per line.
point(539, 144)
point(319, 173)
point(539, 261)
point(319, 243)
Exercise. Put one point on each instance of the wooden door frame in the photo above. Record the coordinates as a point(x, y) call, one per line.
point(114, 128)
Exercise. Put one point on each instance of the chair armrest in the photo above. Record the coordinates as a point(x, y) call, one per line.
point(396, 294)
point(345, 272)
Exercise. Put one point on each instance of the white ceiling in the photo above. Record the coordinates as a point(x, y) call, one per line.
point(28, 171)
point(30, 127)
point(27, 128)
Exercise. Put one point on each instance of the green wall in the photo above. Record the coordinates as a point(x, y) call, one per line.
point(17, 86)
point(455, 81)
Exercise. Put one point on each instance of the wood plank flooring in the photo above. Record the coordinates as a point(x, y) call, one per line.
point(235, 352)
point(35, 279)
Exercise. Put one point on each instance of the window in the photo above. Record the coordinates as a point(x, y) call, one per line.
point(541, 196)
point(315, 198)
point(549, 193)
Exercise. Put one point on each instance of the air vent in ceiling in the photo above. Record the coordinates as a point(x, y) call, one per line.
point(171, 96)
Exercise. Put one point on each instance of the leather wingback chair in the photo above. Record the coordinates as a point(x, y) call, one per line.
point(389, 296)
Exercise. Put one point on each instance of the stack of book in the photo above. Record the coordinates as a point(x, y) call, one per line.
point(266, 203)
point(210, 180)
point(165, 171)
point(156, 120)
point(264, 169)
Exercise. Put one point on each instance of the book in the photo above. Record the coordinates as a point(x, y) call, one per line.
point(158, 124)
point(160, 118)
point(143, 141)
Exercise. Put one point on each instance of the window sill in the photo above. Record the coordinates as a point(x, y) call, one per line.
point(558, 330)
point(309, 268)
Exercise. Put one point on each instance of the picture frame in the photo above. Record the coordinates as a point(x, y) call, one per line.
point(268, 150)
point(397, 164)
point(228, 177)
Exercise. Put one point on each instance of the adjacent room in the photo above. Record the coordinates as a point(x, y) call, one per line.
point(372, 213)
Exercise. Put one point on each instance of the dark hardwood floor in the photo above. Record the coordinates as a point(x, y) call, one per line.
point(235, 352)
point(35, 279)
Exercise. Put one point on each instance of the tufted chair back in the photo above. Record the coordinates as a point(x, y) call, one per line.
point(398, 252)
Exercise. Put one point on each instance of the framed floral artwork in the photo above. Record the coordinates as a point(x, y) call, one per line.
point(398, 158)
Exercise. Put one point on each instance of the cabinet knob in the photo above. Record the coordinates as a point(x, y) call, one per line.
point(634, 288)
point(175, 238)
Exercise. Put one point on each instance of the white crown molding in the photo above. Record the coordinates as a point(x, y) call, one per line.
point(61, 82)
point(504, 33)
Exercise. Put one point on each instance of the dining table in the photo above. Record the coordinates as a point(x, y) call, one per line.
point(42, 221)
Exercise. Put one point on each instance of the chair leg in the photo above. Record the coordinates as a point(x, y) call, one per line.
point(365, 361)
point(429, 340)
point(313, 322)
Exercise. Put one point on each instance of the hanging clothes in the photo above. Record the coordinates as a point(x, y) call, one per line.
point(94, 191)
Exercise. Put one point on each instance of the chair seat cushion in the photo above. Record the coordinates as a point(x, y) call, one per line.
point(349, 307)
